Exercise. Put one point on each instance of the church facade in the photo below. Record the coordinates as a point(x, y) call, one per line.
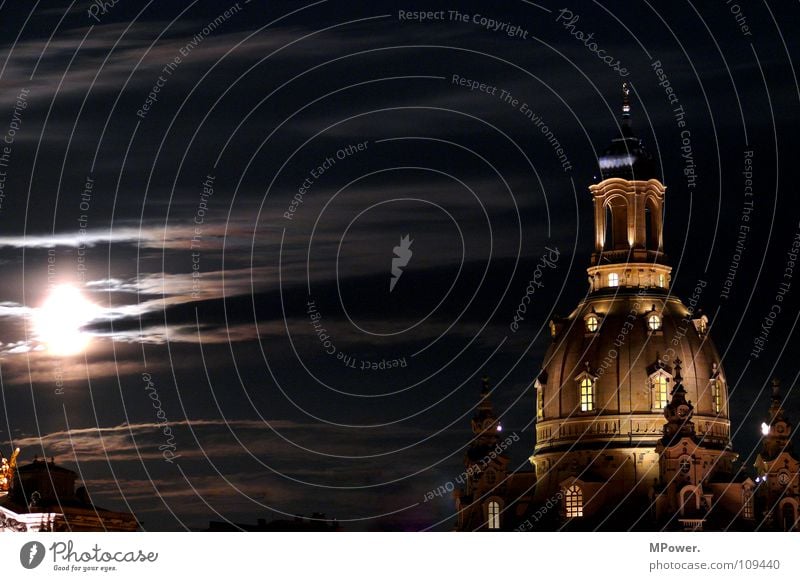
point(632, 418)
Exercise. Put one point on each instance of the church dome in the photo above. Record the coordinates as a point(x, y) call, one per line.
point(612, 364)
point(609, 370)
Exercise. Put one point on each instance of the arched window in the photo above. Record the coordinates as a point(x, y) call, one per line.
point(653, 322)
point(747, 504)
point(662, 281)
point(716, 395)
point(494, 515)
point(652, 218)
point(592, 323)
point(587, 394)
point(660, 392)
point(613, 279)
point(540, 401)
point(608, 234)
point(573, 502)
point(616, 231)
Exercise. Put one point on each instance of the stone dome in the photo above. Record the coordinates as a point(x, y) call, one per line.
point(627, 158)
point(612, 363)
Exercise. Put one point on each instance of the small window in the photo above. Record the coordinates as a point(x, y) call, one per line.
point(540, 401)
point(716, 395)
point(613, 279)
point(685, 464)
point(573, 502)
point(494, 515)
point(587, 394)
point(592, 323)
point(660, 392)
point(662, 281)
point(747, 505)
point(653, 322)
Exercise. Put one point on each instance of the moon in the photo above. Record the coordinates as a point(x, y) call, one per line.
point(58, 322)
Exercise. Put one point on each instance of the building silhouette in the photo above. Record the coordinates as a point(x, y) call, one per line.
point(633, 425)
point(41, 497)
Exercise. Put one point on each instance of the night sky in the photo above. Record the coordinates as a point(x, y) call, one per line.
point(220, 188)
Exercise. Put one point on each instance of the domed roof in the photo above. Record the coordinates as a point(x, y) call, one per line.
point(627, 157)
point(628, 349)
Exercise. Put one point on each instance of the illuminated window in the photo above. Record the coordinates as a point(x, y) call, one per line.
point(613, 279)
point(653, 322)
point(540, 401)
point(716, 395)
point(662, 281)
point(494, 515)
point(573, 502)
point(660, 393)
point(587, 394)
point(592, 322)
point(747, 504)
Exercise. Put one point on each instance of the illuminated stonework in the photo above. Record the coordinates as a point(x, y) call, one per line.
point(632, 418)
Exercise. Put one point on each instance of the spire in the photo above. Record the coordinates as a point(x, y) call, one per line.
point(777, 429)
point(485, 422)
point(678, 377)
point(486, 427)
point(626, 105)
point(626, 157)
point(678, 412)
point(486, 392)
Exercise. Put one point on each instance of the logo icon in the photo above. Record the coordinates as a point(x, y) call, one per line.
point(402, 256)
point(31, 554)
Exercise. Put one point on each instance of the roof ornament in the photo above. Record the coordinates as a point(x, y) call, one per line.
point(626, 102)
point(776, 388)
point(7, 470)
